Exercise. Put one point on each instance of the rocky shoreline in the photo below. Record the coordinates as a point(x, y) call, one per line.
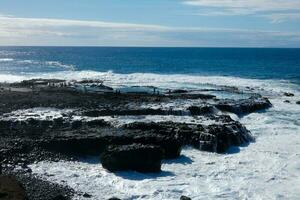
point(59, 120)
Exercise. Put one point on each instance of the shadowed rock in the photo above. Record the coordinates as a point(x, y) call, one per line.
point(185, 198)
point(288, 94)
point(11, 189)
point(136, 157)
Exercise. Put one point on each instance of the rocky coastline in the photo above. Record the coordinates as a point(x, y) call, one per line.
point(49, 119)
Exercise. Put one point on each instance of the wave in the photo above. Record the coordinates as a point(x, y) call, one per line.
point(36, 64)
point(160, 80)
point(6, 59)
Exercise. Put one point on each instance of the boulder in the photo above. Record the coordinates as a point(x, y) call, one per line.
point(298, 102)
point(171, 146)
point(185, 198)
point(243, 106)
point(195, 110)
point(288, 94)
point(220, 137)
point(11, 189)
point(136, 157)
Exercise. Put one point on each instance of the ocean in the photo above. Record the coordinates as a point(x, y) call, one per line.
point(269, 168)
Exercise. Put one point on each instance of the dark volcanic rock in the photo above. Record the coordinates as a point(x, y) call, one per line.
point(171, 146)
point(298, 102)
point(137, 157)
point(179, 91)
point(11, 189)
point(288, 94)
point(37, 189)
point(185, 198)
point(244, 106)
point(214, 138)
point(195, 110)
point(86, 195)
point(76, 145)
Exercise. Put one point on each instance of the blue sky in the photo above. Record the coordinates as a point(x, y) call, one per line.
point(215, 23)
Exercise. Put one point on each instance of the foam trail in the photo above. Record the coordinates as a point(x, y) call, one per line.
point(6, 59)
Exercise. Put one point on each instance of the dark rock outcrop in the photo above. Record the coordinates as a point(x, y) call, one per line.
point(288, 94)
point(185, 198)
point(203, 110)
point(11, 189)
point(244, 106)
point(136, 157)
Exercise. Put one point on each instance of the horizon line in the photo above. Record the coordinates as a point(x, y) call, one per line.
point(106, 46)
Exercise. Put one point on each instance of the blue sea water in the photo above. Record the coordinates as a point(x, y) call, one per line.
point(237, 62)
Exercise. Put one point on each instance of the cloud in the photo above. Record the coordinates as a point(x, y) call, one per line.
point(271, 9)
point(41, 31)
point(282, 17)
point(250, 5)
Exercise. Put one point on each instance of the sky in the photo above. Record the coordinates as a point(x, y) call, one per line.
point(172, 23)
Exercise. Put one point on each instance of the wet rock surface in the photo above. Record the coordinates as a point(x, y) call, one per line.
point(137, 157)
point(54, 120)
point(11, 189)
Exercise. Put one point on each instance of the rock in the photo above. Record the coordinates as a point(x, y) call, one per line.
point(60, 197)
point(11, 189)
point(287, 101)
point(288, 94)
point(76, 145)
point(114, 198)
point(185, 198)
point(76, 124)
point(220, 137)
point(194, 110)
point(179, 91)
point(243, 106)
point(86, 195)
point(171, 146)
point(298, 102)
point(136, 157)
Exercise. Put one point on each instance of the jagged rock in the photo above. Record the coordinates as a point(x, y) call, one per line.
point(179, 91)
point(185, 198)
point(137, 157)
point(86, 195)
point(220, 137)
point(11, 189)
point(195, 110)
point(171, 146)
point(243, 106)
point(288, 94)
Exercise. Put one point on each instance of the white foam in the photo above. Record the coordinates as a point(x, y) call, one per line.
point(119, 121)
point(6, 59)
point(40, 113)
point(163, 81)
